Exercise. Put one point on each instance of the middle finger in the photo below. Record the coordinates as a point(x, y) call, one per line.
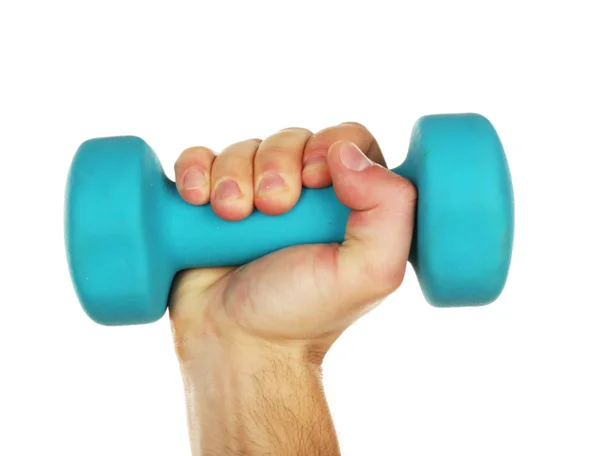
point(278, 170)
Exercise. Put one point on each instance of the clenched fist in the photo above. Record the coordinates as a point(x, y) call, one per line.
point(251, 339)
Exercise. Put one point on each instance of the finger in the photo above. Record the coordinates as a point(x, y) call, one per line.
point(192, 174)
point(232, 194)
point(316, 173)
point(379, 229)
point(278, 171)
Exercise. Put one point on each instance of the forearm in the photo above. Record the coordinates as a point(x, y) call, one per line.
point(245, 400)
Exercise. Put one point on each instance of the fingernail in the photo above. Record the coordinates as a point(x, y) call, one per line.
point(353, 158)
point(193, 179)
point(226, 190)
point(270, 182)
point(315, 164)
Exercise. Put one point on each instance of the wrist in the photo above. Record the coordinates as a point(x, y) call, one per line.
point(198, 340)
point(245, 357)
point(254, 396)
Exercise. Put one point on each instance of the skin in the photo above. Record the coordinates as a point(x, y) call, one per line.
point(251, 340)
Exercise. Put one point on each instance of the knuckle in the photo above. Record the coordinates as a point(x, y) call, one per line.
point(323, 133)
point(283, 145)
point(358, 131)
point(358, 127)
point(353, 131)
point(296, 131)
point(287, 139)
point(195, 153)
point(386, 277)
point(242, 146)
point(237, 154)
point(274, 150)
point(406, 189)
point(197, 150)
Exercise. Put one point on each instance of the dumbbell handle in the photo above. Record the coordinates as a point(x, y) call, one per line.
point(196, 237)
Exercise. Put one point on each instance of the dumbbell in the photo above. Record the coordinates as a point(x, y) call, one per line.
point(128, 232)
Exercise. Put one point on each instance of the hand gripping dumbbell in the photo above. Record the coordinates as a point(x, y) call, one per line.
point(128, 232)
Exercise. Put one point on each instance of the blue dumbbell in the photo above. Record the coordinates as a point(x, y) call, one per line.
point(128, 232)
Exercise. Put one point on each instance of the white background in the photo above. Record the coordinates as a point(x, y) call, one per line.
point(519, 377)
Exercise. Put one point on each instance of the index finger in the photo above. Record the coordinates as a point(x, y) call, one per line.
point(315, 173)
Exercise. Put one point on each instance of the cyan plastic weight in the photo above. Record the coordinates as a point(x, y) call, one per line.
point(128, 232)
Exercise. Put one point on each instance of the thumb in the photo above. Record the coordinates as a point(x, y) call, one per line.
point(372, 259)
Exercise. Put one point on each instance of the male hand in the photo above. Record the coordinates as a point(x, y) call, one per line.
point(282, 312)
